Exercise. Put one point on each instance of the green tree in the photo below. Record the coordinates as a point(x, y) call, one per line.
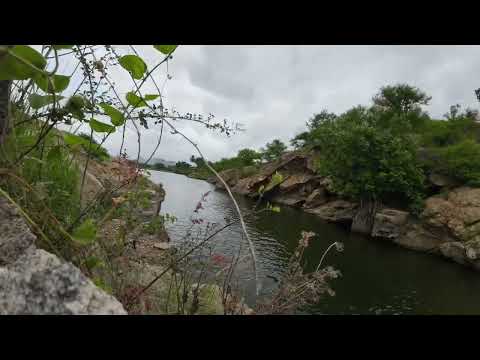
point(273, 150)
point(369, 163)
point(248, 156)
point(399, 108)
point(321, 118)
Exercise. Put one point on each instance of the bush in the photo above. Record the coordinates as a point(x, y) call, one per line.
point(461, 161)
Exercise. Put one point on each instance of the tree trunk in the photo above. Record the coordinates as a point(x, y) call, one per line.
point(364, 218)
point(4, 108)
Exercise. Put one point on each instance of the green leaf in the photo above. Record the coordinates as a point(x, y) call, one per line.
point(115, 115)
point(71, 139)
point(61, 47)
point(100, 127)
point(165, 49)
point(275, 209)
point(85, 233)
point(135, 100)
point(38, 101)
point(11, 68)
point(133, 64)
point(60, 82)
point(151, 97)
point(55, 153)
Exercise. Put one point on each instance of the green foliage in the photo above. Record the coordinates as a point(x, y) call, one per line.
point(51, 83)
point(157, 224)
point(134, 100)
point(134, 65)
point(20, 63)
point(273, 150)
point(85, 233)
point(460, 161)
point(367, 162)
point(165, 49)
point(38, 101)
point(100, 127)
point(116, 116)
point(248, 157)
point(95, 150)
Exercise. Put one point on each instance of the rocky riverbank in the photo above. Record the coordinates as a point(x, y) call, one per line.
point(448, 226)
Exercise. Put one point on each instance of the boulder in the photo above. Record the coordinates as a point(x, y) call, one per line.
point(389, 223)
point(294, 181)
point(316, 198)
point(340, 211)
point(290, 199)
point(465, 253)
point(417, 236)
point(457, 212)
point(441, 181)
point(40, 283)
point(33, 281)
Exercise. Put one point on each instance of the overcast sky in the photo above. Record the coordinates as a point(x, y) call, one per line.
point(273, 90)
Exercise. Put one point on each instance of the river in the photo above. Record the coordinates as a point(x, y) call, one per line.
point(378, 277)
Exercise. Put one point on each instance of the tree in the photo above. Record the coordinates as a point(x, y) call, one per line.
point(369, 163)
point(301, 140)
point(273, 150)
point(248, 156)
point(318, 119)
point(399, 108)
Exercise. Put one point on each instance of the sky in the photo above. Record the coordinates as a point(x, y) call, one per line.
point(273, 90)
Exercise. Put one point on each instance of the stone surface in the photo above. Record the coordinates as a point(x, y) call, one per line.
point(316, 198)
point(440, 180)
point(418, 237)
point(340, 211)
point(389, 223)
point(15, 237)
point(465, 253)
point(162, 245)
point(457, 212)
point(33, 281)
point(40, 283)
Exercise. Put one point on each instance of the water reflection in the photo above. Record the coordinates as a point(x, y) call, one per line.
point(377, 277)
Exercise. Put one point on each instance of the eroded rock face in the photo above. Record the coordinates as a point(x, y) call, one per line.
point(389, 223)
point(339, 211)
point(316, 198)
point(457, 212)
point(465, 253)
point(33, 281)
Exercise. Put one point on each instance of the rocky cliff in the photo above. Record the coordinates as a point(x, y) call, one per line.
point(448, 226)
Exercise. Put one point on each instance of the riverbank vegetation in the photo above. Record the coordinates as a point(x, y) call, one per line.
point(100, 211)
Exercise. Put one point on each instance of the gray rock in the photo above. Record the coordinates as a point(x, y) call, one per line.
point(15, 237)
point(316, 198)
point(416, 236)
point(33, 281)
point(340, 211)
point(441, 180)
point(162, 245)
point(389, 223)
point(465, 253)
point(40, 283)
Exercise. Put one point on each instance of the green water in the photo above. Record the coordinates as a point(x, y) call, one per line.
point(378, 277)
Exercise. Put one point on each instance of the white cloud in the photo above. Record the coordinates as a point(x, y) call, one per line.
point(273, 90)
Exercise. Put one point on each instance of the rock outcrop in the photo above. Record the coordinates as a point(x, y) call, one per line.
point(33, 281)
point(449, 225)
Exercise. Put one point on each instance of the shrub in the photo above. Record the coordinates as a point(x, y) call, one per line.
point(461, 161)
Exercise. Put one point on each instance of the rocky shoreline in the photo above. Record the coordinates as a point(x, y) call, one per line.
point(449, 225)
